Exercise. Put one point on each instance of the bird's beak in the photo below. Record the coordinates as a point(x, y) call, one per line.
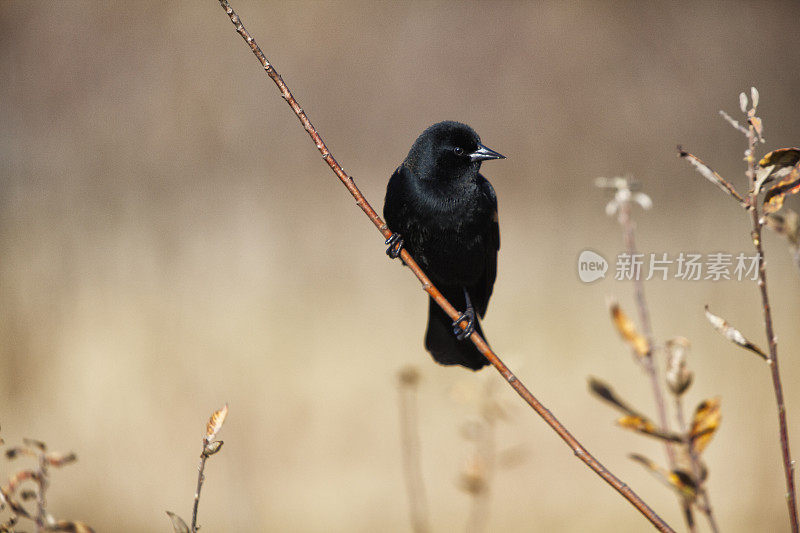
point(483, 153)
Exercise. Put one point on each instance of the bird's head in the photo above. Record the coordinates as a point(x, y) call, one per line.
point(447, 151)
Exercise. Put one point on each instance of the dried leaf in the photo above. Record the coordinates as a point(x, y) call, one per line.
point(782, 157)
point(605, 392)
point(678, 377)
point(212, 448)
point(60, 459)
point(408, 376)
point(773, 199)
point(473, 476)
point(13, 453)
point(776, 165)
point(763, 175)
point(33, 443)
point(71, 527)
point(710, 175)
point(178, 525)
point(758, 126)
point(627, 330)
point(787, 225)
point(215, 423)
point(678, 480)
point(733, 334)
point(705, 423)
point(647, 427)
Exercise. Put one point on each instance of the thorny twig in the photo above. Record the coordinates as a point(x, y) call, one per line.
point(434, 293)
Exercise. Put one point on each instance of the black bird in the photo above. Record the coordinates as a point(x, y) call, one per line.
point(444, 213)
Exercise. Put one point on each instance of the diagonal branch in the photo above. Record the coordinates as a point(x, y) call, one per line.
point(434, 293)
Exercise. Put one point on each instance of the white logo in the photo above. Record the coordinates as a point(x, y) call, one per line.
point(591, 266)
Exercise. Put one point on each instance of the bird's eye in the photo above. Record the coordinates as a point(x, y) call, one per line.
point(458, 150)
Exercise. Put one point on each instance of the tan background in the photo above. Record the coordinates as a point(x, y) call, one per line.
point(170, 241)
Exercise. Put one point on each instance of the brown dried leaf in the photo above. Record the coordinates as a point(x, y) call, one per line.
point(71, 527)
point(215, 423)
point(473, 476)
point(776, 165)
point(647, 427)
point(678, 480)
point(60, 459)
point(710, 175)
point(178, 525)
point(733, 334)
point(773, 199)
point(605, 392)
point(706, 421)
point(13, 453)
point(787, 225)
point(627, 330)
point(33, 443)
point(782, 157)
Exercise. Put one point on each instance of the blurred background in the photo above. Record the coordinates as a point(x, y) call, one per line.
point(170, 241)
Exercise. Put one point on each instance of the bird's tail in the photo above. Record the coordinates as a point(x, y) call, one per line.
point(443, 345)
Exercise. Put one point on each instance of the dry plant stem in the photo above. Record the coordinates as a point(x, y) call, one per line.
point(409, 434)
point(41, 479)
point(788, 464)
point(200, 478)
point(485, 443)
point(628, 232)
point(434, 293)
point(644, 318)
point(696, 469)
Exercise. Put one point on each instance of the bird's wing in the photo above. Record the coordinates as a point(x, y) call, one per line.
point(395, 204)
point(486, 283)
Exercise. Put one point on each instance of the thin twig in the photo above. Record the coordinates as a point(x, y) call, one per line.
point(41, 503)
point(409, 438)
point(200, 478)
point(788, 464)
point(485, 457)
point(434, 293)
point(733, 122)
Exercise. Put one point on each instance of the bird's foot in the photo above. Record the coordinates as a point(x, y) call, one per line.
point(395, 245)
point(469, 316)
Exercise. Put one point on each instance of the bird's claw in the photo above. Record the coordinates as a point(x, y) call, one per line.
point(469, 316)
point(395, 245)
